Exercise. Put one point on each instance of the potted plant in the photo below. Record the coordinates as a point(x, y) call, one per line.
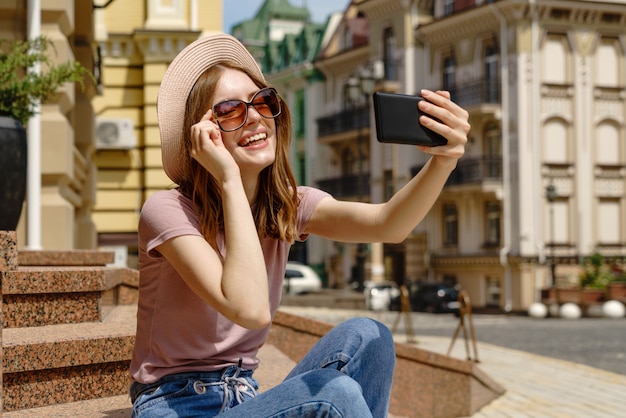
point(594, 278)
point(20, 91)
point(616, 288)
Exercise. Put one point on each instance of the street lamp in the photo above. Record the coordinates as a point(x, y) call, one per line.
point(359, 88)
point(551, 195)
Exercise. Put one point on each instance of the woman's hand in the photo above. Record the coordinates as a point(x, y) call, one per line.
point(454, 124)
point(208, 149)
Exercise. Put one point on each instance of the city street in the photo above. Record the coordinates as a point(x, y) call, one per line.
point(595, 342)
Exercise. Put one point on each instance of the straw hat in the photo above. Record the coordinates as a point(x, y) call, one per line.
point(177, 83)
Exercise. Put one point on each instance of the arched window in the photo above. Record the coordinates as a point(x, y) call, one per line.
point(607, 144)
point(555, 143)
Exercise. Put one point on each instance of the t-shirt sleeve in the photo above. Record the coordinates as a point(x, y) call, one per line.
point(309, 198)
point(165, 215)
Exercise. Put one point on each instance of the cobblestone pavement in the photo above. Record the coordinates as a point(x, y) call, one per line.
point(536, 385)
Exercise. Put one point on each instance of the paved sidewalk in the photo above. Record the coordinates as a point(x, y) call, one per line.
point(536, 386)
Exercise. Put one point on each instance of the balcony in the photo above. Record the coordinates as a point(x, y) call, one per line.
point(477, 92)
point(344, 121)
point(349, 186)
point(473, 171)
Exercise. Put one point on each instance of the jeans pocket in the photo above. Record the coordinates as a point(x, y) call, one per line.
point(156, 403)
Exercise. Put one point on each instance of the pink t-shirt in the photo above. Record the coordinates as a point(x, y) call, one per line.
point(177, 331)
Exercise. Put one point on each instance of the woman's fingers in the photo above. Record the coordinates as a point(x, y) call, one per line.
point(453, 122)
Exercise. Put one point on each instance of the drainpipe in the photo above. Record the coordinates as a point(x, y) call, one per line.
point(33, 191)
point(506, 169)
point(193, 15)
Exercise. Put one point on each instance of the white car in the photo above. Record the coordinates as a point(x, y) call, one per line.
point(380, 295)
point(300, 278)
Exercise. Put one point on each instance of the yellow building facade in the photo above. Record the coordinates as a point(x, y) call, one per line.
point(100, 146)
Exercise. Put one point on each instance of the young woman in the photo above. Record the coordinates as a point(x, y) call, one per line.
point(213, 250)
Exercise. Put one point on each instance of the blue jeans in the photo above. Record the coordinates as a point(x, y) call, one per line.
point(348, 373)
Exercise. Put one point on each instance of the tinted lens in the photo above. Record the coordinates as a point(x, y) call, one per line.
point(266, 102)
point(232, 114)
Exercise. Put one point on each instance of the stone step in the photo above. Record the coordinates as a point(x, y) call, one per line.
point(39, 296)
point(276, 365)
point(65, 258)
point(58, 364)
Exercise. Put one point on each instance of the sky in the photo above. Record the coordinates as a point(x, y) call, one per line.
point(236, 11)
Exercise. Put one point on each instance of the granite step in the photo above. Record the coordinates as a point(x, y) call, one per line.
point(63, 363)
point(65, 258)
point(40, 295)
point(276, 365)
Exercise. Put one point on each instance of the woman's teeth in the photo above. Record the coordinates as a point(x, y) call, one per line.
point(252, 139)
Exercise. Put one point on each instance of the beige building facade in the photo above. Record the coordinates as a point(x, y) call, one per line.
point(542, 181)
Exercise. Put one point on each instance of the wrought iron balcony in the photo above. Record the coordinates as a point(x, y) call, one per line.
point(344, 121)
point(477, 92)
point(353, 185)
point(473, 171)
point(476, 170)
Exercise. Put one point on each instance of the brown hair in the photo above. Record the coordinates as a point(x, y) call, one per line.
point(276, 199)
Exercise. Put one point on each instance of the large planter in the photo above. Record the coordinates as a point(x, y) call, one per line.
point(616, 291)
point(592, 296)
point(567, 295)
point(12, 172)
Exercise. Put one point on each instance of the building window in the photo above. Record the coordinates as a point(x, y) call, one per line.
point(609, 222)
point(388, 184)
point(389, 48)
point(492, 224)
point(491, 74)
point(555, 59)
point(448, 7)
point(493, 291)
point(555, 141)
point(607, 64)
point(493, 151)
point(448, 73)
point(300, 114)
point(450, 224)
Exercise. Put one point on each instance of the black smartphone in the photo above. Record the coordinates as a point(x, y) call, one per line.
point(397, 121)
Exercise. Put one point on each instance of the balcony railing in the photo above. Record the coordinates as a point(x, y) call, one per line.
point(353, 185)
point(477, 92)
point(473, 171)
point(344, 121)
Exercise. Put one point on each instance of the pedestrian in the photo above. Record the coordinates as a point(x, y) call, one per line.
point(213, 250)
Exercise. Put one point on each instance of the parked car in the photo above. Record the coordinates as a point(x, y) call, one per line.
point(300, 278)
point(381, 296)
point(433, 297)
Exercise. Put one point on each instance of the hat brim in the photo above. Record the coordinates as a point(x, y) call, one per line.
point(177, 83)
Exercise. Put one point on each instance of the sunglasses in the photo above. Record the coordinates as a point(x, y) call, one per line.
point(233, 114)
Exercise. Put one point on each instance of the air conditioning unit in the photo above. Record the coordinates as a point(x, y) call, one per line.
point(115, 133)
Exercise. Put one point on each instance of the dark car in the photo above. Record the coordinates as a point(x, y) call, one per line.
point(434, 298)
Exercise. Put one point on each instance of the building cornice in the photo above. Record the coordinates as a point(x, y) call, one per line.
point(485, 18)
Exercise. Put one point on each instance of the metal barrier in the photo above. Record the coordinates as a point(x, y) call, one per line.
point(465, 312)
point(405, 311)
